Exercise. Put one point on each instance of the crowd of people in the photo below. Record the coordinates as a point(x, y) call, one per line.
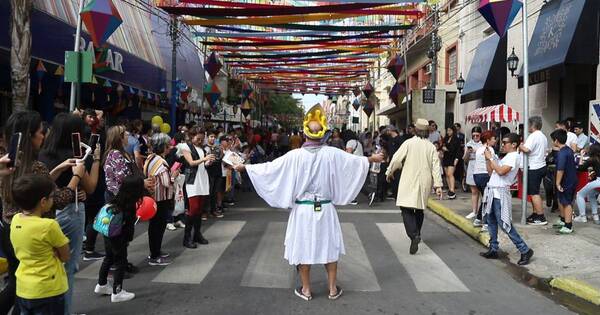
point(52, 199)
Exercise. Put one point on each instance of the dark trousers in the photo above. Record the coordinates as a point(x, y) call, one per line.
point(481, 181)
point(91, 211)
point(8, 295)
point(47, 306)
point(116, 255)
point(382, 185)
point(215, 184)
point(157, 226)
point(413, 221)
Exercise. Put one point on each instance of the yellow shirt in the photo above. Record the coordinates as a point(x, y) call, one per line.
point(40, 274)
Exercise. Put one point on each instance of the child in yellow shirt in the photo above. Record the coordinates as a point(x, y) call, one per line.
point(40, 246)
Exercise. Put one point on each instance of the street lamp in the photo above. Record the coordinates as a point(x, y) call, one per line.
point(512, 62)
point(460, 83)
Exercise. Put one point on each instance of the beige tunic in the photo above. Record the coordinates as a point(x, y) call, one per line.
point(420, 166)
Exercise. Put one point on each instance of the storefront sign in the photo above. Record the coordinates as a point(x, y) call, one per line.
point(429, 96)
point(113, 59)
point(594, 121)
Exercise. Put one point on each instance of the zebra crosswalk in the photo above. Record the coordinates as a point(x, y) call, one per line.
point(266, 267)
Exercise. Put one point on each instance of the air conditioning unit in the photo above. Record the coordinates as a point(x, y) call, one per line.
point(428, 69)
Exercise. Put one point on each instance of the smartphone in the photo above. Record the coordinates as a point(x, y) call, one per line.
point(76, 144)
point(14, 148)
point(94, 139)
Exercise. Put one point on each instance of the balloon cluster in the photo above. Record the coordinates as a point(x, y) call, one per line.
point(159, 124)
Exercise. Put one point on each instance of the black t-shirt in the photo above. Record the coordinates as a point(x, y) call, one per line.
point(214, 169)
point(53, 160)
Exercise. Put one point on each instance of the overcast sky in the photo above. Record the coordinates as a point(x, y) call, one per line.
point(308, 100)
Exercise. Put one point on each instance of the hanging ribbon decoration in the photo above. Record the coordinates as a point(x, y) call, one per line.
point(40, 71)
point(60, 72)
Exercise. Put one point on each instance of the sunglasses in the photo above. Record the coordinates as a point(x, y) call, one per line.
point(476, 135)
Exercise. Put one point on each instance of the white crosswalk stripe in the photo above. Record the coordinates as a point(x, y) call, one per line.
point(137, 253)
point(193, 265)
point(268, 269)
point(427, 270)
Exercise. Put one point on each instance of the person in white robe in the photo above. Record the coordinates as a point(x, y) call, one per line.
point(311, 181)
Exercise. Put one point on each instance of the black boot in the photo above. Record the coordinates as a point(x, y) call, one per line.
point(187, 233)
point(198, 238)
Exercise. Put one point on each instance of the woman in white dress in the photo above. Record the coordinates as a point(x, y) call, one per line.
point(469, 156)
point(196, 186)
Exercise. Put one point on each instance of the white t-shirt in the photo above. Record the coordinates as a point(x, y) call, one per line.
point(537, 143)
point(513, 160)
point(571, 138)
point(356, 146)
point(200, 186)
point(582, 141)
point(480, 164)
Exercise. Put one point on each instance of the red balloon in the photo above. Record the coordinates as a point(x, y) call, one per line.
point(146, 209)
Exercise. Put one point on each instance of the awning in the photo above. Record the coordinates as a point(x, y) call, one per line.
point(496, 113)
point(565, 33)
point(488, 69)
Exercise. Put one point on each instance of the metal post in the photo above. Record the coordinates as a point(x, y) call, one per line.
point(405, 46)
point(74, 85)
point(175, 43)
point(525, 111)
point(434, 47)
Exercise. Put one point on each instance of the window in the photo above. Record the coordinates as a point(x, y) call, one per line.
point(452, 65)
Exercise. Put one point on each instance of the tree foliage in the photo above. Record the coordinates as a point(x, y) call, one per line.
point(284, 104)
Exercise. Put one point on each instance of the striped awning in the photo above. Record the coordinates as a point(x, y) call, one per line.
point(496, 113)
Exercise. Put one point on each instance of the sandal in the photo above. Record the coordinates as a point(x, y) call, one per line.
point(301, 295)
point(337, 295)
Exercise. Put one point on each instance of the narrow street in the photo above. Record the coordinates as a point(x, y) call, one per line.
point(242, 271)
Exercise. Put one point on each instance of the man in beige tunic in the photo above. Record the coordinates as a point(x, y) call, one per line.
point(418, 159)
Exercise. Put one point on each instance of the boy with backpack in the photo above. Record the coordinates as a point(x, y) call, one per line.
point(40, 246)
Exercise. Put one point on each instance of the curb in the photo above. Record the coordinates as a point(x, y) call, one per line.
point(461, 222)
point(572, 286)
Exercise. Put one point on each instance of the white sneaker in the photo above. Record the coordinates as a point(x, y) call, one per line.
point(484, 228)
point(580, 218)
point(596, 218)
point(179, 224)
point(476, 223)
point(103, 289)
point(471, 215)
point(122, 296)
point(171, 227)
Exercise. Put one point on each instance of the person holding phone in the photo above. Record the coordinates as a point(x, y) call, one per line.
point(63, 143)
point(29, 124)
point(469, 157)
point(197, 186)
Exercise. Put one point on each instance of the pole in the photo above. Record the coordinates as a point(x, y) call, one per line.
point(75, 85)
point(525, 111)
point(434, 47)
point(175, 43)
point(405, 46)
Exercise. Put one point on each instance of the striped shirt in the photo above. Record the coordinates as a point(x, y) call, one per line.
point(157, 166)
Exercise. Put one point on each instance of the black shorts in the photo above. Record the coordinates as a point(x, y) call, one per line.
point(217, 184)
point(566, 197)
point(534, 180)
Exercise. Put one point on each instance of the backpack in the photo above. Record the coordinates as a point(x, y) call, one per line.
point(108, 223)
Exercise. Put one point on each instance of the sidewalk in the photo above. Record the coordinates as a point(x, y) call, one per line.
point(569, 262)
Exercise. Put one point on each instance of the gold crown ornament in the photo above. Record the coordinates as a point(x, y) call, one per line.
point(315, 113)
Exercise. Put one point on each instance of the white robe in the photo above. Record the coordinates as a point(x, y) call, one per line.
point(327, 173)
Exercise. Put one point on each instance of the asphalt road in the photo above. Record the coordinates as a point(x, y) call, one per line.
point(242, 271)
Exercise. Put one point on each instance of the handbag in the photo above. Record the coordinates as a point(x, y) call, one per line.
point(108, 223)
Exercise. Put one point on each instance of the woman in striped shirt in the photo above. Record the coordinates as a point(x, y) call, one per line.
point(157, 167)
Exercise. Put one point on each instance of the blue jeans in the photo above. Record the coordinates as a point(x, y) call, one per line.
point(493, 220)
point(591, 193)
point(72, 223)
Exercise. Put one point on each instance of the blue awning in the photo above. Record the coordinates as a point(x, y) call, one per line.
point(565, 33)
point(488, 69)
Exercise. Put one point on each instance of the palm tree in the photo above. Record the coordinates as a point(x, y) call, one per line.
point(20, 52)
